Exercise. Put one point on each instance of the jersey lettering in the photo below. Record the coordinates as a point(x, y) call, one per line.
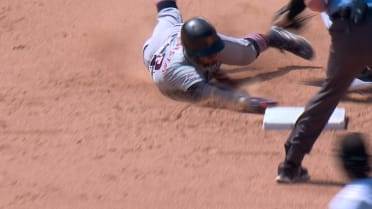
point(156, 63)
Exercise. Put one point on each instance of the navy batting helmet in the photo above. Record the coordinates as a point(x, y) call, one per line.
point(199, 38)
point(354, 155)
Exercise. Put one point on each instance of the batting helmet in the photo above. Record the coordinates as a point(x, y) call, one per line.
point(199, 38)
point(354, 155)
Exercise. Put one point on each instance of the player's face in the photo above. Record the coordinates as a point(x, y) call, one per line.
point(210, 60)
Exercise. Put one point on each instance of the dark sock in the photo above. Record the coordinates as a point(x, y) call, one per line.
point(165, 4)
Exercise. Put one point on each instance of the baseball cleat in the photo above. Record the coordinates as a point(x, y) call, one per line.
point(291, 174)
point(359, 84)
point(284, 40)
point(363, 81)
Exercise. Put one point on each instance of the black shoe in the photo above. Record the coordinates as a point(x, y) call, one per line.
point(291, 174)
point(284, 40)
point(366, 75)
point(363, 81)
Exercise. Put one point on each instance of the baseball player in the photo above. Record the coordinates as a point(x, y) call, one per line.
point(354, 160)
point(184, 58)
point(291, 16)
point(351, 50)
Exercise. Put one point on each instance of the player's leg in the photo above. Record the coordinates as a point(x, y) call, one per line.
point(311, 122)
point(240, 51)
point(362, 81)
point(340, 73)
point(169, 21)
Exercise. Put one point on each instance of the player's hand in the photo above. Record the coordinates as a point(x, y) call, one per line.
point(224, 79)
point(256, 104)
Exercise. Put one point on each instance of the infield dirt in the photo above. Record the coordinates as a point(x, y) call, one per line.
point(83, 126)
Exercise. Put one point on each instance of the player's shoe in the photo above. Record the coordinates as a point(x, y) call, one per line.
point(284, 40)
point(291, 174)
point(363, 81)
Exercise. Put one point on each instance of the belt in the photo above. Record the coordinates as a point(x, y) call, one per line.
point(355, 14)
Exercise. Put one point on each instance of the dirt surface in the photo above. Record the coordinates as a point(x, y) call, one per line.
point(82, 125)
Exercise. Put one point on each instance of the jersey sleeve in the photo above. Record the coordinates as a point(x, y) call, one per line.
point(357, 195)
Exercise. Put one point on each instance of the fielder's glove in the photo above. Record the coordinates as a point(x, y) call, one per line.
point(291, 16)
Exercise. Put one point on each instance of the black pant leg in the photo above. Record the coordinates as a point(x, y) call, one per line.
point(346, 61)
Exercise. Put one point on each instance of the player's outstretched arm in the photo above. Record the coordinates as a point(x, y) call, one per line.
point(225, 98)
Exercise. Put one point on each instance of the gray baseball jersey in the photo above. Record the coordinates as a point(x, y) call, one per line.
point(171, 70)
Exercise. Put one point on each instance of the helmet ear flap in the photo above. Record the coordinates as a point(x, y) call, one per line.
point(199, 38)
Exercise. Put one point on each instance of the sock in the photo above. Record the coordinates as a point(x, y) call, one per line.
point(259, 41)
point(165, 4)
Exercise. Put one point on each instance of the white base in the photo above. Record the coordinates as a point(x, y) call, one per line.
point(280, 118)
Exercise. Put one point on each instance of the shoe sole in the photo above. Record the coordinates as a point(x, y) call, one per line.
point(358, 84)
point(282, 180)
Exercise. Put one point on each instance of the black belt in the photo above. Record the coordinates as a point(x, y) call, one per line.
point(356, 14)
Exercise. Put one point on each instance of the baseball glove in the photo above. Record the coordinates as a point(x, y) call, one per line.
point(292, 16)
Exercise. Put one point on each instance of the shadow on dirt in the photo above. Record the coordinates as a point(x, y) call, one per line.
point(325, 183)
point(356, 96)
point(322, 183)
point(267, 75)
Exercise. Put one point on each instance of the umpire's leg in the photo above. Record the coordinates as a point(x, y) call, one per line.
point(342, 69)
